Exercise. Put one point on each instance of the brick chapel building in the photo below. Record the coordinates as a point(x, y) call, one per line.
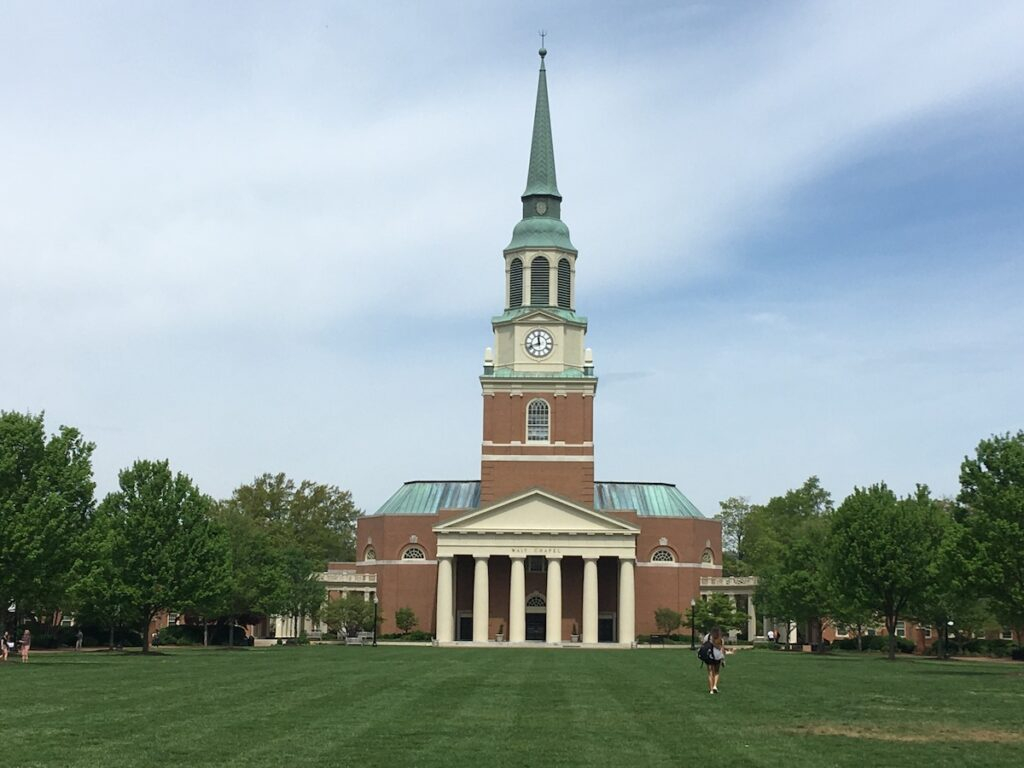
point(536, 550)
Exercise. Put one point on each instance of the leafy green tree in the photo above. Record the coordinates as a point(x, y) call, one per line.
point(784, 545)
point(668, 621)
point(405, 620)
point(950, 592)
point(98, 594)
point(733, 515)
point(318, 518)
point(351, 612)
point(718, 611)
point(992, 494)
point(46, 502)
point(257, 584)
point(882, 550)
point(167, 549)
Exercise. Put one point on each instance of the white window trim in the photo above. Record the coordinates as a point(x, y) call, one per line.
point(546, 440)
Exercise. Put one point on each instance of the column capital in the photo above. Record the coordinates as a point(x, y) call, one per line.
point(553, 557)
point(481, 557)
point(517, 557)
point(588, 558)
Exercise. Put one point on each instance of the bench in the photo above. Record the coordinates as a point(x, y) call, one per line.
point(353, 640)
point(656, 640)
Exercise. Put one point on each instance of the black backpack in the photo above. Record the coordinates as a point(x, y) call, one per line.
point(706, 652)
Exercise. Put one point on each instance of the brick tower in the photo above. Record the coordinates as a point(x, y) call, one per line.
point(538, 382)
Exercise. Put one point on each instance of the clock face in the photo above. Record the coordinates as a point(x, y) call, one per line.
point(541, 207)
point(539, 342)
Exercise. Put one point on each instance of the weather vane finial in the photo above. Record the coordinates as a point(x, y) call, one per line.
point(543, 51)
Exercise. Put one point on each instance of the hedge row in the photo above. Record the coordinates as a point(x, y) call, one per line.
point(875, 643)
point(190, 634)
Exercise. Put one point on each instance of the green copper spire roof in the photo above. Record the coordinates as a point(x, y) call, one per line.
point(542, 225)
point(541, 179)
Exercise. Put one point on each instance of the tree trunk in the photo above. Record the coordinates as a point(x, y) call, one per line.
point(206, 632)
point(145, 637)
point(110, 645)
point(231, 632)
point(860, 637)
point(890, 626)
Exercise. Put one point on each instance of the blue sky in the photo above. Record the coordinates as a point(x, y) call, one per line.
point(801, 233)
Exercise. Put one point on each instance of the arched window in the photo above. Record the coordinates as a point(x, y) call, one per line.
point(413, 553)
point(663, 556)
point(539, 280)
point(369, 554)
point(535, 601)
point(708, 557)
point(515, 283)
point(537, 421)
point(564, 286)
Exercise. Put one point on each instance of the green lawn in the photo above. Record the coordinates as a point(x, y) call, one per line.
point(496, 707)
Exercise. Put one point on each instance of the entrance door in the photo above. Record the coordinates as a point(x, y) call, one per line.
point(606, 629)
point(465, 626)
point(536, 626)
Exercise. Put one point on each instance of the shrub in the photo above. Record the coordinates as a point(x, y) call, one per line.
point(875, 643)
point(1017, 654)
point(192, 634)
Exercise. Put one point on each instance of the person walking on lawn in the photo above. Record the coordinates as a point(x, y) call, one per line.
point(26, 644)
point(718, 658)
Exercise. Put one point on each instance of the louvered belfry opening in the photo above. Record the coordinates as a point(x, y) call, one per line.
point(564, 288)
point(515, 283)
point(539, 281)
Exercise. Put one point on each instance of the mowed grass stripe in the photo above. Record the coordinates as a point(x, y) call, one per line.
point(451, 707)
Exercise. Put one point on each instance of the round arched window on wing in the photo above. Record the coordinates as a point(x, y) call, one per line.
point(414, 553)
point(663, 556)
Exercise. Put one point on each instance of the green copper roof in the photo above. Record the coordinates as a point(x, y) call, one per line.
point(540, 232)
point(566, 315)
point(648, 499)
point(427, 497)
point(512, 373)
point(541, 179)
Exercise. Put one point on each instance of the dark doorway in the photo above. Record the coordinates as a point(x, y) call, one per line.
point(465, 628)
point(536, 626)
point(606, 629)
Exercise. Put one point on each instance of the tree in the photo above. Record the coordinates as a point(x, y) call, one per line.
point(318, 518)
point(167, 550)
point(718, 611)
point(784, 545)
point(950, 590)
point(351, 612)
point(98, 594)
point(881, 551)
point(992, 495)
point(668, 621)
point(46, 502)
point(405, 620)
point(257, 584)
point(733, 514)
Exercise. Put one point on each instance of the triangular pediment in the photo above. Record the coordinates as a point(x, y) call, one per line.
point(536, 511)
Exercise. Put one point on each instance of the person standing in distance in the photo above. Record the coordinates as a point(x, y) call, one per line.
point(26, 644)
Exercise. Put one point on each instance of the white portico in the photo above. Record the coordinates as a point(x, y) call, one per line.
point(522, 546)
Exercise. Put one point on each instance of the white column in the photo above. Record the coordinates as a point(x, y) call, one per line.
point(590, 600)
point(481, 608)
point(627, 603)
point(517, 600)
point(751, 618)
point(554, 599)
point(445, 618)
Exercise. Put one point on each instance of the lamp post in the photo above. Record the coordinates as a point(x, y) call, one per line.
point(375, 602)
point(693, 622)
